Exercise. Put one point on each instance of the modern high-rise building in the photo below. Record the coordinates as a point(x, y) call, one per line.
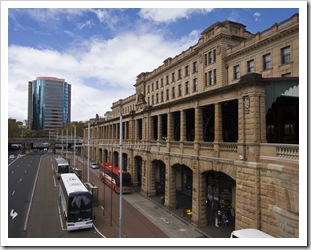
point(49, 103)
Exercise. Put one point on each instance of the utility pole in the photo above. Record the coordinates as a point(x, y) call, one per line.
point(121, 169)
point(88, 153)
point(74, 149)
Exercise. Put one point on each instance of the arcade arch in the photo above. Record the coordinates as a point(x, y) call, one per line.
point(220, 193)
point(183, 185)
point(158, 167)
point(137, 171)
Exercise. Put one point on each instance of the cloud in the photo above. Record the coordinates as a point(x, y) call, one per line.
point(100, 71)
point(256, 15)
point(169, 15)
point(108, 17)
point(86, 24)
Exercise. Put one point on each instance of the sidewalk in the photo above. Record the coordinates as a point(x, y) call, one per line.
point(175, 224)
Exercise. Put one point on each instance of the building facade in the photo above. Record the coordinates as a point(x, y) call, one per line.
point(217, 122)
point(49, 103)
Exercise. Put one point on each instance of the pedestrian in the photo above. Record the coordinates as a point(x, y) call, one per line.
point(225, 219)
point(219, 218)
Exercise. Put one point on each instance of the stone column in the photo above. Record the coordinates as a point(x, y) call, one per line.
point(218, 129)
point(151, 129)
point(170, 190)
point(198, 129)
point(195, 191)
point(170, 127)
point(198, 196)
point(182, 126)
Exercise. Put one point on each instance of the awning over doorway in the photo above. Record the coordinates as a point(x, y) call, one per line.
point(278, 88)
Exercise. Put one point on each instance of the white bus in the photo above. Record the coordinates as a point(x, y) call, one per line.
point(76, 202)
point(61, 166)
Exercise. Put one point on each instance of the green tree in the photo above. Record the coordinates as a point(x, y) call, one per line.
point(13, 130)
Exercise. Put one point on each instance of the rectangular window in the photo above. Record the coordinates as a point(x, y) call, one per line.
point(214, 55)
point(173, 77)
point(179, 90)
point(195, 85)
point(167, 80)
point(179, 74)
point(157, 84)
point(236, 71)
point(152, 86)
point(162, 96)
point(152, 100)
point(167, 94)
point(161, 82)
point(195, 67)
point(205, 79)
point(266, 61)
point(187, 87)
point(157, 98)
point(173, 92)
point(205, 59)
point(210, 78)
point(214, 76)
point(148, 89)
point(285, 55)
point(210, 57)
point(250, 66)
point(186, 70)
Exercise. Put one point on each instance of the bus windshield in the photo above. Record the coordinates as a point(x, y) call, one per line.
point(63, 169)
point(79, 207)
point(126, 179)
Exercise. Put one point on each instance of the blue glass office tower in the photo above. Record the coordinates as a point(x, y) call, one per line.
point(49, 103)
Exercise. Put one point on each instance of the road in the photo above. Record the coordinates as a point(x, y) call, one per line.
point(46, 219)
point(134, 224)
point(21, 178)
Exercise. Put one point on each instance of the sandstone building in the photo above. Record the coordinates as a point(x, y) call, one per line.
point(218, 121)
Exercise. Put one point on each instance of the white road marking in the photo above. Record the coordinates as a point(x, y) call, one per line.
point(13, 214)
point(164, 220)
point(60, 217)
point(13, 193)
point(20, 179)
point(54, 181)
point(99, 232)
point(12, 172)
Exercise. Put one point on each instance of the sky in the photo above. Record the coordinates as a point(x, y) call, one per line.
point(100, 51)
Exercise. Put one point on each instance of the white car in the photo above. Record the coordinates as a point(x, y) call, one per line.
point(12, 157)
point(94, 165)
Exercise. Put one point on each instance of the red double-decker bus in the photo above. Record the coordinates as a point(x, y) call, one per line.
point(111, 176)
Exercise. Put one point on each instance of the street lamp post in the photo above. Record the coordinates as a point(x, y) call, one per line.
point(88, 153)
point(67, 144)
point(74, 149)
point(121, 169)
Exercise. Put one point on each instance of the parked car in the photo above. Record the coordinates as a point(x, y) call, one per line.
point(12, 157)
point(94, 165)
